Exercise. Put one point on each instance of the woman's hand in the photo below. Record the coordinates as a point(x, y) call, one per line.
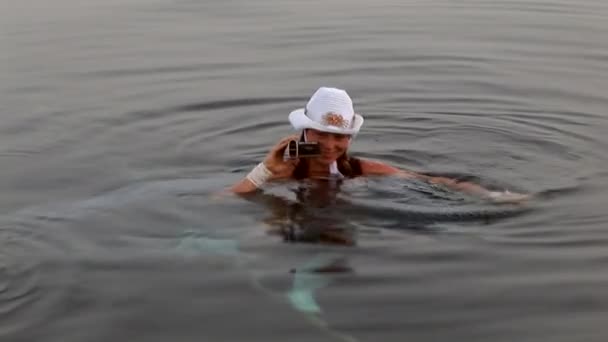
point(275, 162)
point(507, 197)
point(273, 167)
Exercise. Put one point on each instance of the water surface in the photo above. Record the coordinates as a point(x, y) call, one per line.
point(120, 121)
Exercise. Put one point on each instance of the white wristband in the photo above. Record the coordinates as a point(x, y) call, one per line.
point(495, 194)
point(259, 175)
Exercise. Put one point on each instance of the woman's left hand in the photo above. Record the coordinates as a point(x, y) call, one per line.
point(508, 197)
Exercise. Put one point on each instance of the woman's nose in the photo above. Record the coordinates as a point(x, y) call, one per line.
point(329, 142)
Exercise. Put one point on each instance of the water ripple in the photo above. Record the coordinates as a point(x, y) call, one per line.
point(29, 264)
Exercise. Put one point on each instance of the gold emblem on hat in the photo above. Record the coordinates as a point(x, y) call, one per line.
point(333, 119)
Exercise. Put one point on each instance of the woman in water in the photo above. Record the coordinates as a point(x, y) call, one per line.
point(329, 119)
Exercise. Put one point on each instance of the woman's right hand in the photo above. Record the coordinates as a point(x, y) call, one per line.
point(275, 162)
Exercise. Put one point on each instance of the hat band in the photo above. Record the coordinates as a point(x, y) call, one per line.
point(332, 119)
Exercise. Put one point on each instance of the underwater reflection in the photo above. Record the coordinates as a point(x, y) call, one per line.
point(313, 216)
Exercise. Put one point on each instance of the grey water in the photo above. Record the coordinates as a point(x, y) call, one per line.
point(122, 122)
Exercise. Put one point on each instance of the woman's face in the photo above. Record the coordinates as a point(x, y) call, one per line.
point(332, 145)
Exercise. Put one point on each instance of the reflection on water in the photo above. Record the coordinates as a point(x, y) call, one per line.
point(313, 217)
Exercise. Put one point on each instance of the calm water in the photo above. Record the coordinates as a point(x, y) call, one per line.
point(120, 120)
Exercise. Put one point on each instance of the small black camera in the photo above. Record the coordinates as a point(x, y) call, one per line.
point(302, 149)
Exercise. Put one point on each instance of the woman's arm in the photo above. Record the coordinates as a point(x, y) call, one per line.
point(273, 167)
point(243, 186)
point(259, 176)
point(370, 168)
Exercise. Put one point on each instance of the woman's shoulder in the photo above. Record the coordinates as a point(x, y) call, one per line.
point(373, 167)
point(377, 168)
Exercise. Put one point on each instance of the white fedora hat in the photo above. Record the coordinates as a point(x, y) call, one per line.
point(328, 110)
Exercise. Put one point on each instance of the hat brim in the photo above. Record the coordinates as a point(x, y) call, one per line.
point(299, 120)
